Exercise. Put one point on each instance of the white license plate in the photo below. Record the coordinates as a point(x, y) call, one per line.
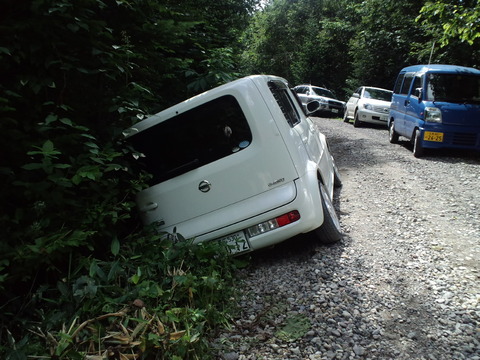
point(384, 118)
point(335, 110)
point(236, 243)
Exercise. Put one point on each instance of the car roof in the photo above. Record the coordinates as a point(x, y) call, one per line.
point(376, 88)
point(239, 84)
point(309, 85)
point(439, 68)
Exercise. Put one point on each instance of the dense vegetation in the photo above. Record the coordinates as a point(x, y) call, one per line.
point(77, 271)
point(344, 44)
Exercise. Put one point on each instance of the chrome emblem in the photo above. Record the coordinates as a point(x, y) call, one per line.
point(204, 186)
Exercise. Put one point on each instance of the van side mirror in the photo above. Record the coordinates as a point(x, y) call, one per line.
point(355, 95)
point(312, 106)
point(418, 93)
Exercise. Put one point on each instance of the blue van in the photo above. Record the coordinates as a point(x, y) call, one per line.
point(436, 106)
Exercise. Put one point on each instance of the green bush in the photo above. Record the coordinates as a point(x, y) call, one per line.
point(74, 75)
point(164, 302)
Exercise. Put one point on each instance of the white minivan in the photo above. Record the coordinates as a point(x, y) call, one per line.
point(241, 164)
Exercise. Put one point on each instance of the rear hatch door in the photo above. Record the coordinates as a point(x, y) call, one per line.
point(212, 156)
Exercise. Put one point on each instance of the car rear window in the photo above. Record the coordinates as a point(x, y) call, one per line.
point(192, 139)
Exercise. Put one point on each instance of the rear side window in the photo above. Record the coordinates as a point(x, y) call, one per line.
point(285, 101)
point(192, 139)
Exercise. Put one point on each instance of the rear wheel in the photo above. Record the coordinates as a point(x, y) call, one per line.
point(337, 180)
point(418, 150)
point(392, 134)
point(330, 230)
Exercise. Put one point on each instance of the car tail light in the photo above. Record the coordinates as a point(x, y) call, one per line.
point(273, 224)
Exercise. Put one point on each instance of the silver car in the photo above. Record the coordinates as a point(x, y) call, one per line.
point(368, 105)
point(329, 104)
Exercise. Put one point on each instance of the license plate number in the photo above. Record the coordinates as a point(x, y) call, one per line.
point(335, 110)
point(433, 136)
point(384, 118)
point(236, 243)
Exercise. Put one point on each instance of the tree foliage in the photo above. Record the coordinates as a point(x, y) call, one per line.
point(452, 20)
point(343, 44)
point(74, 75)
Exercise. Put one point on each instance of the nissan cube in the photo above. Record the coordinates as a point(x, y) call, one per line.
point(241, 164)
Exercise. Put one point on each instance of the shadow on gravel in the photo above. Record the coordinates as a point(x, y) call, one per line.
point(448, 156)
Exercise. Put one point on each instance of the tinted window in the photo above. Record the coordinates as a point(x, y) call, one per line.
point(398, 83)
point(194, 138)
point(323, 92)
point(453, 88)
point(406, 84)
point(417, 83)
point(281, 94)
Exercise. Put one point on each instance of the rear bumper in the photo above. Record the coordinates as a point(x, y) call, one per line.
point(306, 201)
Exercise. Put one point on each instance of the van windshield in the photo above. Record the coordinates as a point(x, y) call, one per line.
point(456, 88)
point(192, 139)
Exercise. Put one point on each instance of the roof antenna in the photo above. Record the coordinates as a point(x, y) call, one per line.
point(431, 53)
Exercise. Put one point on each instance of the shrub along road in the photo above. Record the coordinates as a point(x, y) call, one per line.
point(404, 283)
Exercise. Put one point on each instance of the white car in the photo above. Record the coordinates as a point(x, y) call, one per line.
point(241, 164)
point(368, 105)
point(329, 104)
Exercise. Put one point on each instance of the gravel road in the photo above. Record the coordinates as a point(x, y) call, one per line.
point(404, 283)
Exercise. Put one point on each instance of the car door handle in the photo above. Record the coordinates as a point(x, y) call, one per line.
point(407, 102)
point(149, 207)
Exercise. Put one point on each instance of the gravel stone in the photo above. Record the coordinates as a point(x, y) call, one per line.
point(403, 284)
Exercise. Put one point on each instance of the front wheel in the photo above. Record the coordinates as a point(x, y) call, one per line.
point(330, 230)
point(418, 150)
point(392, 134)
point(356, 121)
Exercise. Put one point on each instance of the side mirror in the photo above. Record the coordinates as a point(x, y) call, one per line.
point(312, 106)
point(355, 95)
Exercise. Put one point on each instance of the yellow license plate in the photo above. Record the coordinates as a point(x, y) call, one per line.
point(433, 136)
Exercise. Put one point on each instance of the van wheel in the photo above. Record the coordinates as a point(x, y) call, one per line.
point(356, 121)
point(330, 230)
point(392, 134)
point(418, 150)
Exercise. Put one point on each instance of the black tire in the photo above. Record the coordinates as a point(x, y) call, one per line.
point(418, 149)
point(337, 180)
point(330, 231)
point(356, 121)
point(392, 134)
